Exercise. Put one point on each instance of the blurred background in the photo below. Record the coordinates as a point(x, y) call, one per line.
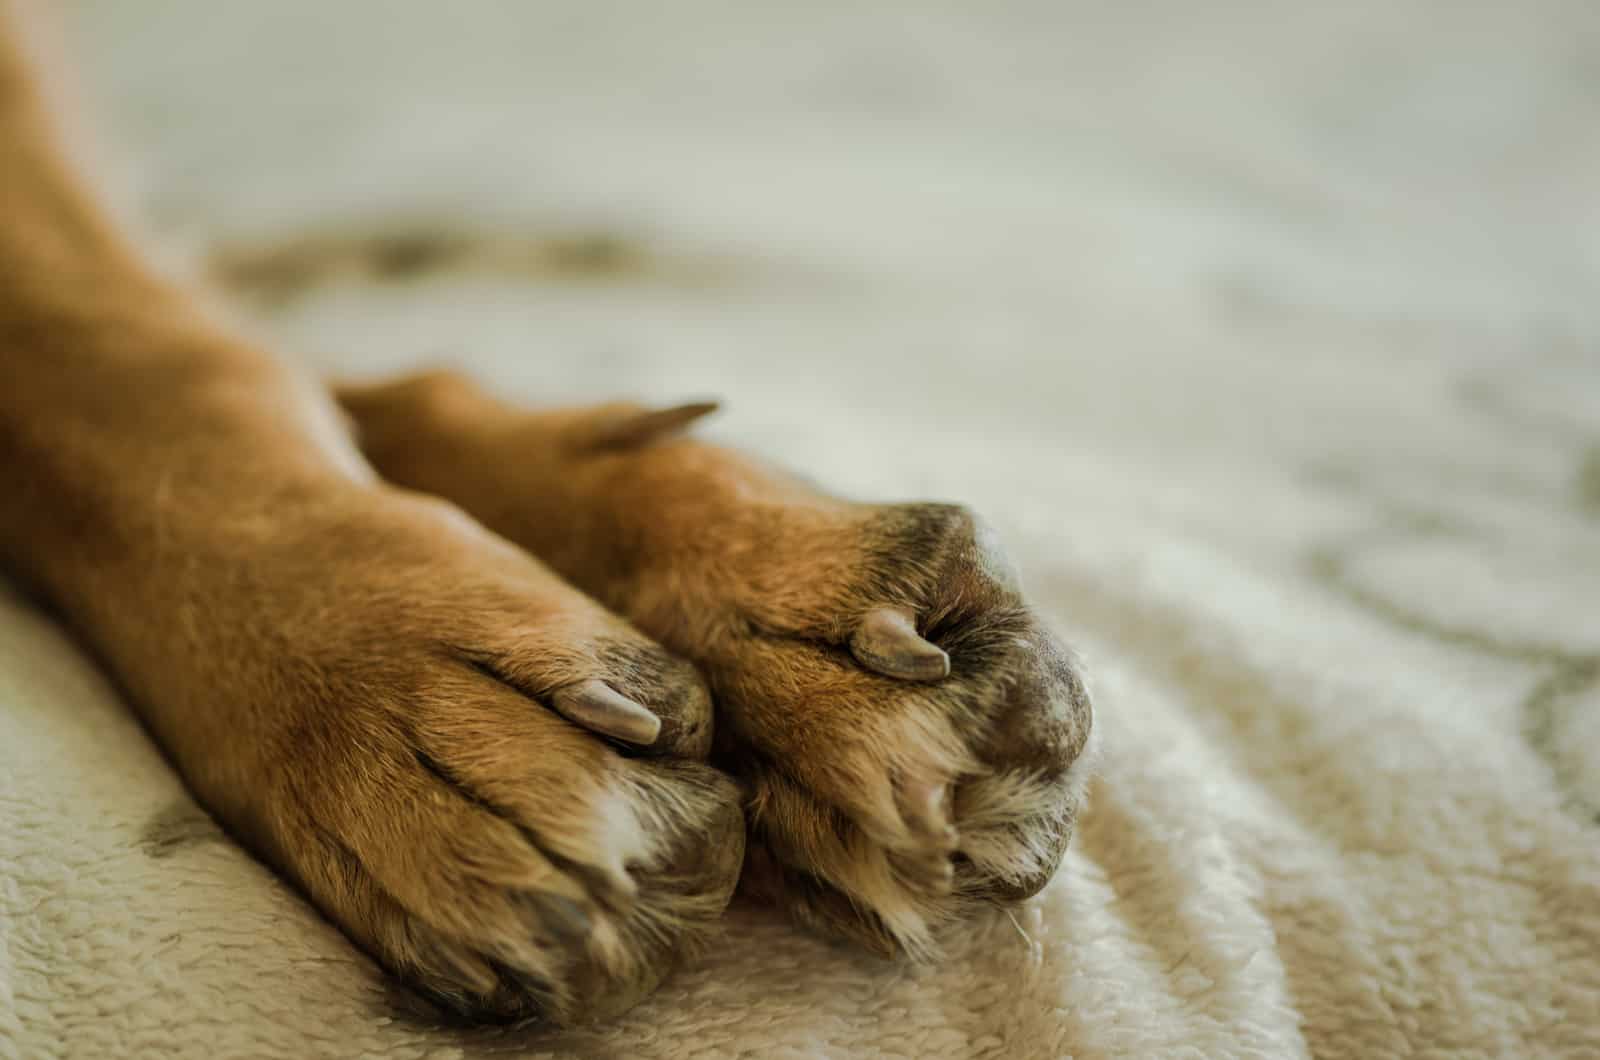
point(1288, 232)
point(1304, 293)
point(1267, 334)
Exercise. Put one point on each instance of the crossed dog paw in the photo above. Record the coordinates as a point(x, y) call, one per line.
point(904, 728)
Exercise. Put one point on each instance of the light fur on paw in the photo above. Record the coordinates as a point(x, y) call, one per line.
point(443, 745)
point(892, 793)
point(910, 736)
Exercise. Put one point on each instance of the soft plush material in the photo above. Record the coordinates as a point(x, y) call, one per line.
point(1265, 334)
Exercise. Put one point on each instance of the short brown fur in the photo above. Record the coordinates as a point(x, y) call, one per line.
point(357, 675)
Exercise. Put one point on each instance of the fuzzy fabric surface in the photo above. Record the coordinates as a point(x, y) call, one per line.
point(1266, 334)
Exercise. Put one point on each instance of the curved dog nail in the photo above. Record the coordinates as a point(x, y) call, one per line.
point(887, 642)
point(647, 425)
point(596, 705)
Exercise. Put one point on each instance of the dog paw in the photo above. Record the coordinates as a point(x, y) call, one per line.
point(905, 728)
point(478, 773)
point(499, 902)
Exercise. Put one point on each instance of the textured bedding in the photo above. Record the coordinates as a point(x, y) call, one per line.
point(1267, 337)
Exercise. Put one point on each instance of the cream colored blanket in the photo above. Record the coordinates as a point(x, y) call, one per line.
point(1265, 333)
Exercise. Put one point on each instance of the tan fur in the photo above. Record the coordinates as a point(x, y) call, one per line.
point(761, 580)
point(350, 677)
point(357, 679)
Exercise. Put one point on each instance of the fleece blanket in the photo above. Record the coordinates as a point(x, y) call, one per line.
point(1266, 334)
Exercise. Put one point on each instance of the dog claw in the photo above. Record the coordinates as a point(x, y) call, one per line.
point(887, 642)
point(647, 425)
point(596, 705)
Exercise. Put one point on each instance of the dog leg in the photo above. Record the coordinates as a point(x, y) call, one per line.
point(399, 710)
